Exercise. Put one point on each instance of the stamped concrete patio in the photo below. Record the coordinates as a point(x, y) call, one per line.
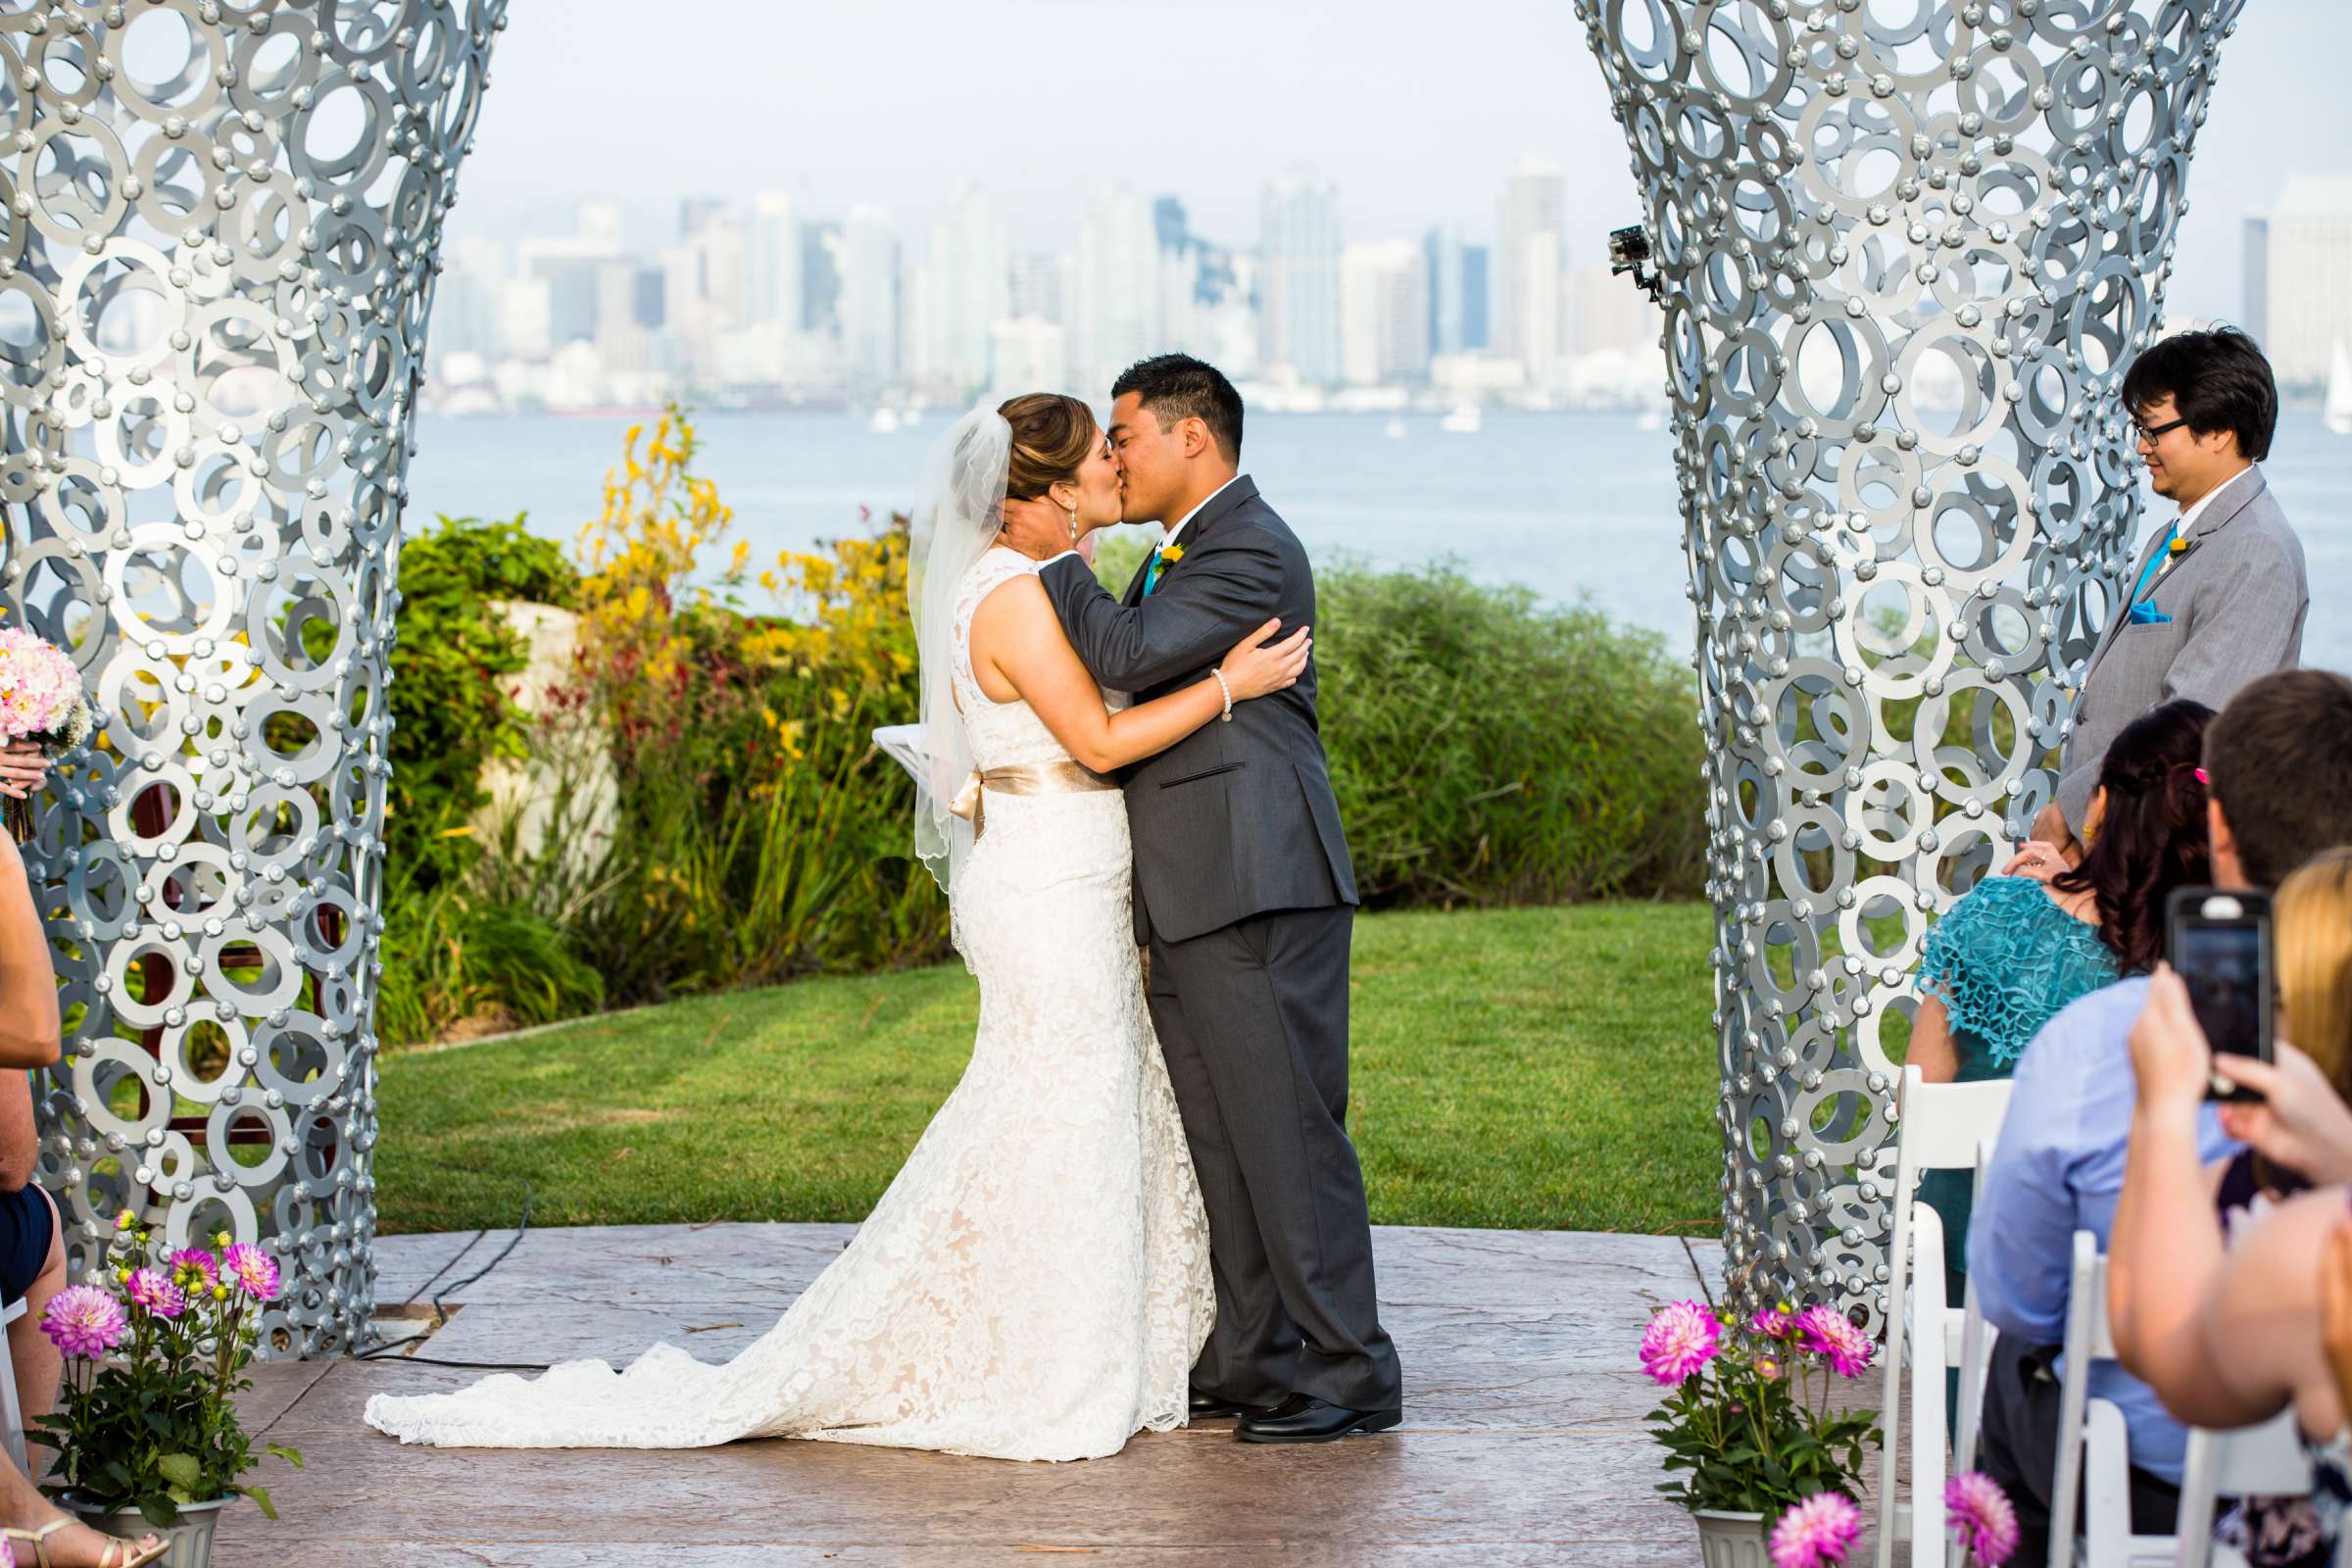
point(1522, 1444)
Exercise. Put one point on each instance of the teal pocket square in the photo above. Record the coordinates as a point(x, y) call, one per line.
point(2146, 613)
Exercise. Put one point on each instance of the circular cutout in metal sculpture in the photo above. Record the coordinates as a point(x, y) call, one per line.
point(219, 232)
point(1907, 249)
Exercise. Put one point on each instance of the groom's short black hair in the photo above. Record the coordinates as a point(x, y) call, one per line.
point(2216, 379)
point(1177, 387)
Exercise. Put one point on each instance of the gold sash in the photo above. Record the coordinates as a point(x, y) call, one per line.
point(1025, 778)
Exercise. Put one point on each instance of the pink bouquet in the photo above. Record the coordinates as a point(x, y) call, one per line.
point(41, 703)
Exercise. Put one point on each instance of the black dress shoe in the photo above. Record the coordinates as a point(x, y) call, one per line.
point(1214, 1407)
point(1303, 1419)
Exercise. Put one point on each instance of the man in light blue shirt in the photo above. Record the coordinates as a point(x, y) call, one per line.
point(2059, 1169)
point(2280, 763)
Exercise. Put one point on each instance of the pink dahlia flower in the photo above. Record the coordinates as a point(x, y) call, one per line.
point(252, 1269)
point(1680, 1340)
point(1830, 1334)
point(85, 1322)
point(194, 1269)
point(1774, 1322)
point(153, 1289)
point(1816, 1532)
point(1978, 1510)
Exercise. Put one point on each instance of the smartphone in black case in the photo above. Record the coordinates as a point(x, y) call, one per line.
point(2219, 945)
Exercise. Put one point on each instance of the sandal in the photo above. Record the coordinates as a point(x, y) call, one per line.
point(132, 1556)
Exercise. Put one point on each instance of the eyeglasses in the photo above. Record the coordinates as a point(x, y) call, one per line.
point(2149, 435)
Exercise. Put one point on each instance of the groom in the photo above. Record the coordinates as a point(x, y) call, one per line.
point(1246, 897)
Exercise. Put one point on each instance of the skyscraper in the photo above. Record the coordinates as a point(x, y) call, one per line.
point(1384, 312)
point(820, 276)
point(1442, 261)
point(1298, 301)
point(2254, 277)
point(1478, 313)
point(1168, 218)
point(869, 299)
point(967, 291)
point(772, 246)
point(1529, 247)
point(1114, 293)
point(1039, 286)
point(2307, 309)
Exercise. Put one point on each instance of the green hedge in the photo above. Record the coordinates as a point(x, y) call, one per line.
point(1487, 751)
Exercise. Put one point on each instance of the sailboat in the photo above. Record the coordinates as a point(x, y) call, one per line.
point(2339, 391)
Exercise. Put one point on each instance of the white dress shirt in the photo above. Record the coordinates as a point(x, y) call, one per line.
point(2196, 509)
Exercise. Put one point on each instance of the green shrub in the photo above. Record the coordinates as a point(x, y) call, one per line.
point(1488, 751)
point(460, 954)
point(761, 832)
point(721, 817)
point(454, 660)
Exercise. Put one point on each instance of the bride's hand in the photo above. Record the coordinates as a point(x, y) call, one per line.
point(1253, 670)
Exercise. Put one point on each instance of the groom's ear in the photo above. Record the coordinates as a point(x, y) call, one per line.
point(1192, 432)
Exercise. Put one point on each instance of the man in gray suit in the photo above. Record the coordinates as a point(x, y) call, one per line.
point(2217, 598)
point(1246, 897)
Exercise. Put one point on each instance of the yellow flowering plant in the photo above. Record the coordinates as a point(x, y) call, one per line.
point(761, 832)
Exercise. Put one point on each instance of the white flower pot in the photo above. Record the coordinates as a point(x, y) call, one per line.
point(190, 1539)
point(1731, 1539)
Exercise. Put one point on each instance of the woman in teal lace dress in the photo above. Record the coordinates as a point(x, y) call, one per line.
point(2018, 946)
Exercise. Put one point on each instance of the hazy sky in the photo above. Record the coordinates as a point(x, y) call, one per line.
point(1417, 110)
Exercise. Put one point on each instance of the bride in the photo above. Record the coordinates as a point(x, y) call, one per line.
point(1035, 1284)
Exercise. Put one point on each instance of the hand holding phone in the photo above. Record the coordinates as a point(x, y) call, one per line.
point(2219, 945)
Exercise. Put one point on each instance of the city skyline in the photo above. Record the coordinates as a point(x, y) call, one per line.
point(899, 104)
point(759, 300)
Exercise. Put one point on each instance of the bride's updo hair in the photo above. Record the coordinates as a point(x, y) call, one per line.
point(1052, 436)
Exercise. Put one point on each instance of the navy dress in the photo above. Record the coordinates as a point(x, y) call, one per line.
point(26, 1228)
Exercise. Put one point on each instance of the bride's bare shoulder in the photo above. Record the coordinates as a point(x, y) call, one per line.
point(1013, 603)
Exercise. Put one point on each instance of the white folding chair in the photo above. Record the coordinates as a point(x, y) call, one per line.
point(1943, 1127)
point(1977, 1339)
point(11, 1414)
point(2094, 1450)
point(2263, 1461)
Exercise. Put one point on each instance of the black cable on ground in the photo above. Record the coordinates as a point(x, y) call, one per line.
point(385, 1347)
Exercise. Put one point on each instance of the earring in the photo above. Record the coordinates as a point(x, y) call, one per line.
point(1074, 524)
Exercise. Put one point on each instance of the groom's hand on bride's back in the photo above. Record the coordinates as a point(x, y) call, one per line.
point(1038, 528)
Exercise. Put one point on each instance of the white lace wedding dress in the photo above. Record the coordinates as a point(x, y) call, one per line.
point(1035, 1284)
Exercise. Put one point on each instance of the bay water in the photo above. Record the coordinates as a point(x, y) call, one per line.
point(1567, 504)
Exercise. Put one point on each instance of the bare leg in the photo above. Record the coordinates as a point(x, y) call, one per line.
point(39, 1368)
point(23, 1507)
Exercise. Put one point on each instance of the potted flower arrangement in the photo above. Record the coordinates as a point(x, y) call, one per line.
point(146, 1429)
point(41, 705)
point(1819, 1532)
point(1748, 1425)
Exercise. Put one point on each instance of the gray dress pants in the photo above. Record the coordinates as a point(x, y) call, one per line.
point(1253, 1021)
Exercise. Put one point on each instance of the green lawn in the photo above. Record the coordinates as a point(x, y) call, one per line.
point(1537, 1068)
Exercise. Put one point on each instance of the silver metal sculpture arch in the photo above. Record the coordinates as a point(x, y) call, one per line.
point(218, 229)
point(1907, 247)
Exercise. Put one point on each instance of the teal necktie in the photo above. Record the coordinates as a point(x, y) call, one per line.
point(1158, 564)
point(2164, 553)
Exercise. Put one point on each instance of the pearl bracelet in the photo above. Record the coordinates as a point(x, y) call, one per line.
point(1227, 715)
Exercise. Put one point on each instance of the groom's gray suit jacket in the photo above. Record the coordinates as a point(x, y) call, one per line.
point(2234, 604)
point(1237, 818)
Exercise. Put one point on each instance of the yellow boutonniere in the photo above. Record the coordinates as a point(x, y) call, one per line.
point(1171, 555)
